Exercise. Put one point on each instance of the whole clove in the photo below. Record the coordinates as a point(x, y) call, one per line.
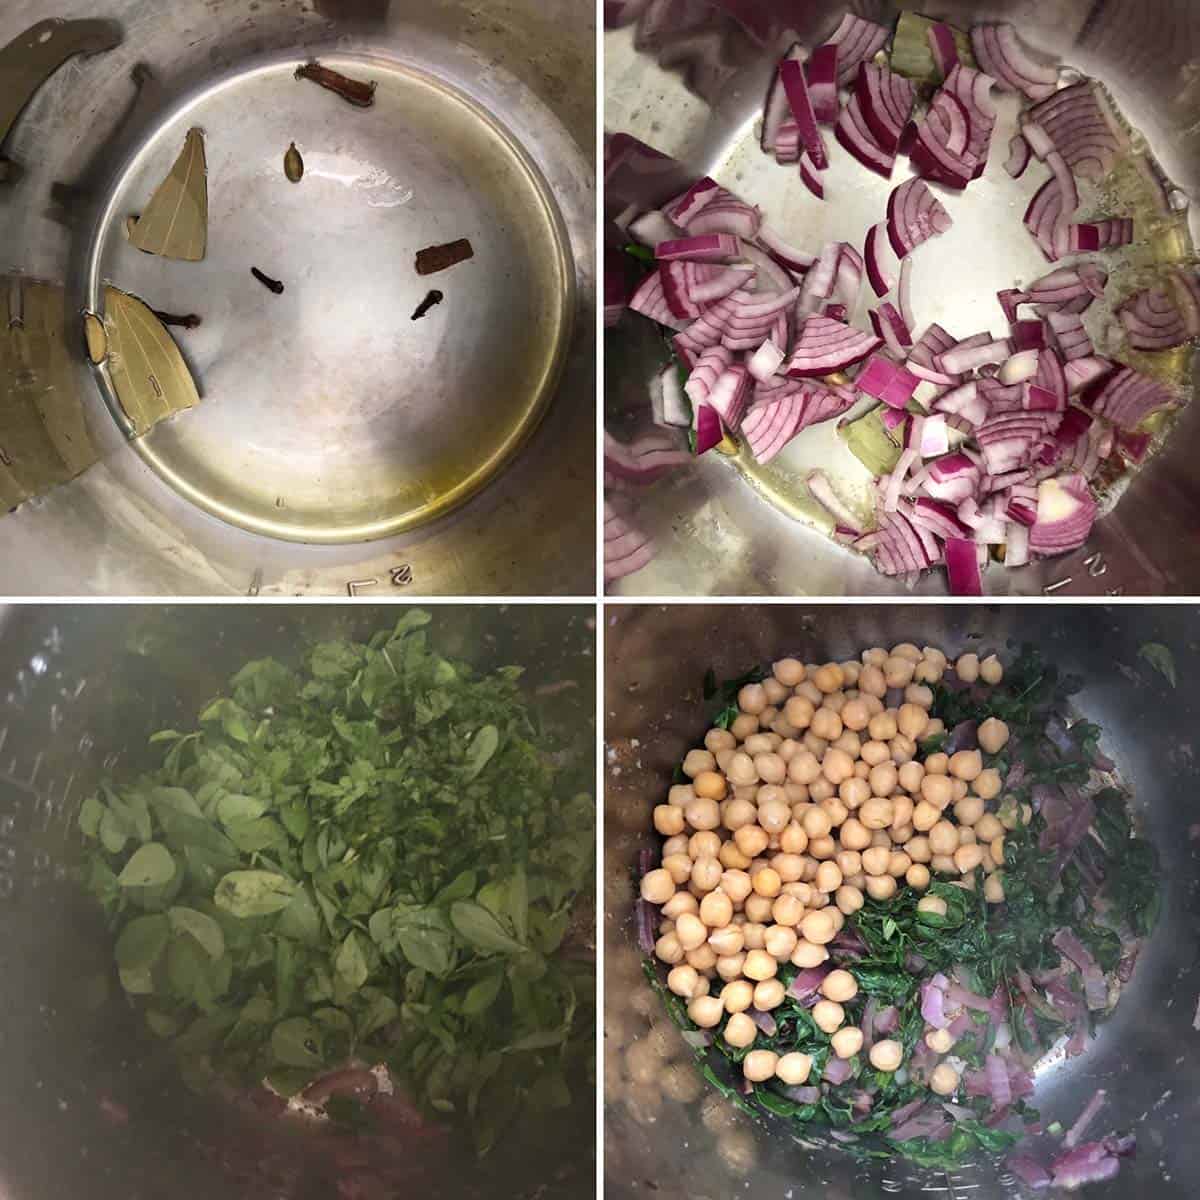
point(433, 259)
point(435, 297)
point(353, 91)
point(271, 284)
point(191, 321)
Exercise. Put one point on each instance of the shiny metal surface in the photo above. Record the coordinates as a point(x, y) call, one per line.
point(81, 689)
point(655, 661)
point(694, 93)
point(335, 434)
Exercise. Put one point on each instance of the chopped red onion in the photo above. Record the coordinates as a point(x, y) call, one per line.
point(1019, 155)
point(730, 395)
point(996, 1070)
point(962, 568)
point(772, 422)
point(914, 215)
point(943, 47)
point(727, 214)
point(812, 180)
point(850, 269)
point(822, 74)
point(711, 248)
point(1153, 321)
point(854, 134)
point(645, 460)
point(683, 209)
point(788, 148)
point(1030, 1172)
point(1066, 513)
point(837, 1071)
point(874, 253)
point(653, 227)
point(1069, 335)
point(887, 381)
point(651, 301)
point(971, 354)
point(1128, 397)
point(822, 491)
point(1003, 56)
point(886, 101)
point(1081, 127)
point(825, 346)
point(1082, 373)
point(766, 360)
point(820, 280)
point(776, 111)
point(708, 428)
point(676, 409)
point(795, 86)
point(857, 40)
point(710, 366)
point(1085, 1118)
point(793, 260)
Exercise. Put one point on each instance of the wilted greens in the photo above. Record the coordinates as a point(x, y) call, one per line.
point(369, 858)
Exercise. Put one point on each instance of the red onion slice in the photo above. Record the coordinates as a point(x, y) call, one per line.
point(1003, 56)
point(766, 360)
point(795, 87)
point(1019, 156)
point(676, 409)
point(811, 179)
point(962, 567)
point(943, 47)
point(1081, 126)
point(904, 293)
point(914, 215)
point(730, 395)
point(645, 460)
point(1082, 373)
point(857, 40)
point(787, 144)
point(775, 111)
point(795, 261)
point(650, 300)
point(886, 102)
point(875, 253)
point(626, 549)
point(822, 491)
point(710, 366)
point(714, 247)
point(653, 227)
point(822, 73)
point(1065, 515)
point(1128, 397)
point(727, 215)
point(708, 429)
point(887, 381)
point(826, 346)
point(684, 208)
point(854, 135)
point(1153, 321)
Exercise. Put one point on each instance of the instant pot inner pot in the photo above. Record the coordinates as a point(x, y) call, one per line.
point(93, 1104)
point(330, 412)
point(695, 1144)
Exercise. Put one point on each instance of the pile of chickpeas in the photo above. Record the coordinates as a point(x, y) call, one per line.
point(811, 800)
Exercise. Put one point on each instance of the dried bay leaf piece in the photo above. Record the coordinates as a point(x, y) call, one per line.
point(31, 58)
point(148, 372)
point(44, 440)
point(96, 337)
point(175, 222)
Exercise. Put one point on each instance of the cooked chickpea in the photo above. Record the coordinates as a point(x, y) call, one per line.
point(854, 835)
point(886, 1055)
point(758, 743)
point(716, 910)
point(737, 996)
point(760, 965)
point(774, 816)
point(937, 764)
point(793, 839)
point(855, 715)
point(789, 672)
point(804, 768)
point(794, 1068)
point(740, 1030)
point(940, 1041)
point(798, 712)
point(683, 981)
point(925, 816)
point(690, 931)
point(993, 888)
point(826, 724)
point(706, 1011)
point(966, 668)
point(898, 671)
point(677, 844)
point(770, 767)
point(876, 656)
point(943, 838)
point(829, 877)
point(679, 867)
point(807, 955)
point(829, 678)
point(752, 699)
point(917, 877)
point(751, 840)
point(737, 885)
point(911, 720)
point(817, 927)
point(698, 762)
point(874, 753)
point(990, 670)
point(727, 941)
point(881, 887)
point(668, 819)
point(775, 691)
point(898, 864)
point(819, 849)
point(932, 904)
point(877, 813)
point(944, 1080)
point(882, 727)
point(835, 810)
point(943, 864)
point(816, 823)
point(847, 1041)
point(840, 986)
point(829, 1015)
point(767, 882)
point(741, 770)
point(996, 849)
point(779, 941)
point(875, 860)
point(910, 776)
point(993, 735)
point(743, 726)
point(706, 874)
point(716, 740)
point(901, 834)
point(738, 812)
point(757, 908)
point(968, 857)
point(729, 966)
point(681, 902)
point(657, 886)
point(849, 899)
point(703, 813)
point(768, 995)
point(988, 784)
point(759, 1065)
point(937, 790)
point(918, 848)
point(920, 696)
point(820, 789)
point(853, 793)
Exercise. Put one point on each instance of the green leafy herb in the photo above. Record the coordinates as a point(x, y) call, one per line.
point(368, 854)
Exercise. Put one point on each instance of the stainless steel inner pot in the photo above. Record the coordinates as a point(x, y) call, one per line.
point(92, 1106)
point(340, 444)
point(655, 661)
point(691, 85)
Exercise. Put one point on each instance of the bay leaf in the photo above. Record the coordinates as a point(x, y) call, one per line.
point(175, 222)
point(149, 375)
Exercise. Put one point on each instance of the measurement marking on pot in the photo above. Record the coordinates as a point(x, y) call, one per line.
point(1096, 566)
point(37, 766)
point(402, 576)
point(1058, 586)
point(352, 588)
point(255, 582)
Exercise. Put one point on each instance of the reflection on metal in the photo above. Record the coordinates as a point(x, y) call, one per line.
point(29, 60)
point(44, 440)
